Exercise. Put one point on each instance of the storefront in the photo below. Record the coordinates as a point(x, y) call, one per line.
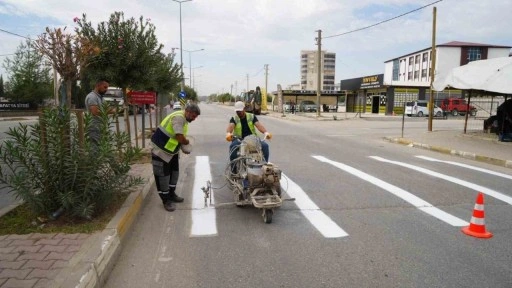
point(365, 94)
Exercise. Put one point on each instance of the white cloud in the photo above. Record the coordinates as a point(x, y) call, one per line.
point(239, 37)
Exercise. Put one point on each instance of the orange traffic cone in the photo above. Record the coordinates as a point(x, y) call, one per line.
point(476, 226)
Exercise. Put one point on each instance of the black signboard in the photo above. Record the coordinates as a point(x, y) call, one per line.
point(14, 106)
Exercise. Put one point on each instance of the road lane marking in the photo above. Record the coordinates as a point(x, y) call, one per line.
point(317, 218)
point(466, 166)
point(467, 184)
point(404, 195)
point(203, 218)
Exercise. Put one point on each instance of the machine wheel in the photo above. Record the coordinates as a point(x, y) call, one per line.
point(267, 215)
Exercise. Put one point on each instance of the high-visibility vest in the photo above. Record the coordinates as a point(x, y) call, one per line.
point(164, 136)
point(238, 125)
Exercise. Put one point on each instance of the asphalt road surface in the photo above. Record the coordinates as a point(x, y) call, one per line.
point(367, 214)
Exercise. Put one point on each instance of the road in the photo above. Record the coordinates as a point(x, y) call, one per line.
point(367, 214)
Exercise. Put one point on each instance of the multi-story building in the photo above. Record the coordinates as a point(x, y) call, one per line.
point(309, 70)
point(413, 69)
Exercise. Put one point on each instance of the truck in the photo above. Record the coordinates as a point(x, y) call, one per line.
point(457, 106)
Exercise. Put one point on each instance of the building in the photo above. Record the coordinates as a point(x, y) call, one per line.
point(309, 70)
point(407, 77)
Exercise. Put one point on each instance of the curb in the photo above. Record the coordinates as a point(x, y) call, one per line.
point(444, 150)
point(90, 266)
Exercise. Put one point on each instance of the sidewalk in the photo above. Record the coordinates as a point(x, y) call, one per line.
point(83, 260)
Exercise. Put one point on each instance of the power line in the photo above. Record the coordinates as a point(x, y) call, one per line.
point(390, 19)
point(12, 33)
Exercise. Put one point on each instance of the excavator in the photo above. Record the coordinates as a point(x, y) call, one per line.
point(252, 100)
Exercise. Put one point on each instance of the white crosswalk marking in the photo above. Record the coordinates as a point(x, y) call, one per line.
point(203, 218)
point(406, 196)
point(310, 210)
point(467, 184)
point(467, 166)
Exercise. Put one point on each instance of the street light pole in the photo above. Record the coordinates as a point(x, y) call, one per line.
point(181, 46)
point(190, 64)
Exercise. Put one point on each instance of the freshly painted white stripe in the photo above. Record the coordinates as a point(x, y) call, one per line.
point(467, 166)
point(485, 190)
point(404, 195)
point(315, 216)
point(203, 218)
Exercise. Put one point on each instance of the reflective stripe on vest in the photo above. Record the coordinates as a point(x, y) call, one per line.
point(238, 125)
point(164, 136)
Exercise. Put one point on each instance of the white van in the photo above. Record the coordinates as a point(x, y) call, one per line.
point(420, 108)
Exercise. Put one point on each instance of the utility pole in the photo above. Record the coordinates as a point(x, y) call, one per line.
point(266, 86)
point(319, 76)
point(236, 89)
point(432, 72)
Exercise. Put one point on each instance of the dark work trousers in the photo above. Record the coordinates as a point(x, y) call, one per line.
point(166, 175)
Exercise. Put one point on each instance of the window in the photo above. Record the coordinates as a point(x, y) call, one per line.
point(409, 75)
point(417, 60)
point(416, 74)
point(396, 68)
point(425, 57)
point(474, 53)
point(424, 73)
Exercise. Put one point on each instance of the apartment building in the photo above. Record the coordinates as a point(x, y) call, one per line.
point(413, 70)
point(309, 70)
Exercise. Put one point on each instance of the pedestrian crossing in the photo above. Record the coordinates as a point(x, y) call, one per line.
point(204, 218)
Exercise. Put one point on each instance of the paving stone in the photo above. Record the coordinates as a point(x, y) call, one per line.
point(71, 242)
point(5, 250)
point(2, 281)
point(48, 241)
point(60, 264)
point(38, 264)
point(5, 242)
point(59, 256)
point(2, 237)
point(38, 236)
point(9, 257)
point(73, 248)
point(15, 283)
point(18, 237)
point(11, 264)
point(15, 273)
point(27, 249)
point(22, 242)
point(33, 256)
point(66, 236)
point(42, 283)
point(83, 236)
point(53, 248)
point(43, 273)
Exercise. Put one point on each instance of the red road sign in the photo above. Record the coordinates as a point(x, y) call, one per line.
point(141, 97)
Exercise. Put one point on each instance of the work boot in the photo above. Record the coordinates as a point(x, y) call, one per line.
point(169, 206)
point(175, 198)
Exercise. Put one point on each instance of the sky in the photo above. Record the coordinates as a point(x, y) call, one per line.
point(240, 36)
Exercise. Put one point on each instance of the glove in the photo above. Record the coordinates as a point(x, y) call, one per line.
point(229, 137)
point(186, 148)
point(267, 135)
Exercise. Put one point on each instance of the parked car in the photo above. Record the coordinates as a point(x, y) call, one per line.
point(176, 106)
point(307, 106)
point(287, 107)
point(457, 106)
point(420, 108)
point(114, 96)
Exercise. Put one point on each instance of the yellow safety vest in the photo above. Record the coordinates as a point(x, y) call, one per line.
point(165, 137)
point(238, 125)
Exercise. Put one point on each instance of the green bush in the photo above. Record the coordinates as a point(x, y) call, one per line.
point(46, 166)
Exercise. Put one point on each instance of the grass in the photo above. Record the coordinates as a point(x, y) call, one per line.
point(21, 220)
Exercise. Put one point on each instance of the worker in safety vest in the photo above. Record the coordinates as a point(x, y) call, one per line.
point(242, 125)
point(167, 141)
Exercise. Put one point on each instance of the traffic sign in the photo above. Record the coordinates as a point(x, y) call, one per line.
point(141, 97)
point(182, 94)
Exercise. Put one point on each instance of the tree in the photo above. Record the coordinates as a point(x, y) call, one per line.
point(2, 92)
point(68, 54)
point(29, 77)
point(165, 75)
point(128, 52)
